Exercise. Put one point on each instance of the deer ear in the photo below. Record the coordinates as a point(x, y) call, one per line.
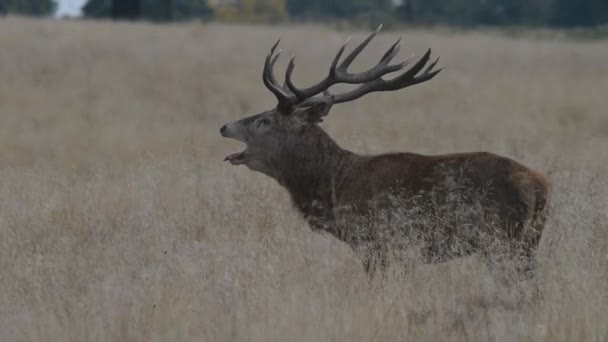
point(313, 114)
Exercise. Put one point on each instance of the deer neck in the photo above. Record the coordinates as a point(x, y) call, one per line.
point(312, 170)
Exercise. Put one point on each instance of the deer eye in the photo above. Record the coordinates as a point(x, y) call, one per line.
point(264, 122)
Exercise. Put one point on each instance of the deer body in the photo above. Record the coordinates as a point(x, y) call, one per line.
point(322, 179)
point(329, 184)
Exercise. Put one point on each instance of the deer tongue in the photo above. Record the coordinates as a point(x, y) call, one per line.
point(235, 158)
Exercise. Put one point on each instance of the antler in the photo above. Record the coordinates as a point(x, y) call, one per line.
point(285, 98)
point(371, 80)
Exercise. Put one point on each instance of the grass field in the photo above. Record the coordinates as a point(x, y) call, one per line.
point(119, 221)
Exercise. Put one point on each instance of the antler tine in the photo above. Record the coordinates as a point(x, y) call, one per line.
point(415, 69)
point(391, 52)
point(271, 68)
point(334, 63)
point(289, 71)
point(381, 69)
point(430, 67)
point(285, 99)
point(429, 73)
point(356, 51)
point(300, 94)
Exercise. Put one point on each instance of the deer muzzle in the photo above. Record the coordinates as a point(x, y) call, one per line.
point(231, 131)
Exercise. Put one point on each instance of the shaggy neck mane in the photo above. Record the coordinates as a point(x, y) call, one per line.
point(312, 170)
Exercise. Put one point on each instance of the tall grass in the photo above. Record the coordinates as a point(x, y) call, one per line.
point(118, 220)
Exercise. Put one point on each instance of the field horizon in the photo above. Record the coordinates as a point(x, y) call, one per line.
point(119, 220)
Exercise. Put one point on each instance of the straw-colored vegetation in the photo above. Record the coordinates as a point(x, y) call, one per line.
point(119, 221)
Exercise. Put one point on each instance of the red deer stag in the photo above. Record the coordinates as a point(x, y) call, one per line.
point(328, 183)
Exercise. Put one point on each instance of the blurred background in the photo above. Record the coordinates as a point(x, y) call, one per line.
point(120, 222)
point(461, 13)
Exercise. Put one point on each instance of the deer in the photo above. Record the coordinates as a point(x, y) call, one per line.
point(328, 183)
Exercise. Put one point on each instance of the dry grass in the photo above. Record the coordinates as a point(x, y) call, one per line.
point(118, 220)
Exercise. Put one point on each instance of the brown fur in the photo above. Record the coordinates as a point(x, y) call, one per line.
point(328, 183)
point(350, 180)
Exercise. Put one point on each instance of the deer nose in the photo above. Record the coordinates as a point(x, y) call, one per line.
point(223, 130)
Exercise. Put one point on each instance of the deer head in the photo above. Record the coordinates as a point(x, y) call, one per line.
point(291, 129)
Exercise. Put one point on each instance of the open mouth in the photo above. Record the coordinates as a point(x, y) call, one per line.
point(236, 158)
